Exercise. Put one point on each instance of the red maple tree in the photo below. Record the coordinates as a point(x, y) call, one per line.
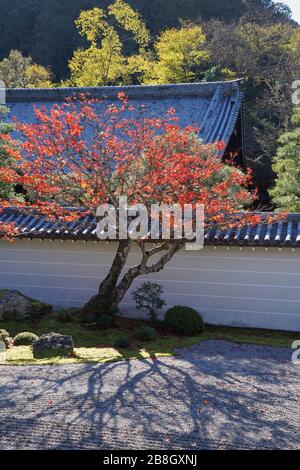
point(85, 152)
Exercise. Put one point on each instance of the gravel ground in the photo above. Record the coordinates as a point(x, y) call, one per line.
point(212, 395)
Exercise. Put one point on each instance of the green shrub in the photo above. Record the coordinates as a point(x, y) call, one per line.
point(122, 343)
point(95, 318)
point(68, 315)
point(145, 333)
point(184, 321)
point(104, 322)
point(4, 335)
point(148, 297)
point(25, 338)
point(39, 309)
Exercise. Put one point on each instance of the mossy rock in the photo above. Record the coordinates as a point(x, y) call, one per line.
point(16, 306)
point(53, 344)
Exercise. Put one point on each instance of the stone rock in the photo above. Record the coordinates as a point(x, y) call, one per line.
point(16, 306)
point(5, 339)
point(53, 342)
point(4, 335)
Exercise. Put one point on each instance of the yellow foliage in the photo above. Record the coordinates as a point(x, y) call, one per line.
point(104, 62)
point(96, 67)
point(228, 74)
point(131, 21)
point(180, 53)
point(92, 24)
point(139, 67)
point(38, 77)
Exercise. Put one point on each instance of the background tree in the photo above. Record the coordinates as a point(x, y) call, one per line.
point(46, 30)
point(8, 155)
point(17, 71)
point(181, 56)
point(105, 62)
point(124, 153)
point(286, 192)
point(266, 57)
point(38, 77)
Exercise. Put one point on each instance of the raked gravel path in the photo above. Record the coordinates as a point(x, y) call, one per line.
point(213, 395)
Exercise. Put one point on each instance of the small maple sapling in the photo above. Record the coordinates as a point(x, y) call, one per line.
point(148, 297)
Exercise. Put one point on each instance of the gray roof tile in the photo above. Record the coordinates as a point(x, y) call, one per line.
point(281, 234)
point(212, 107)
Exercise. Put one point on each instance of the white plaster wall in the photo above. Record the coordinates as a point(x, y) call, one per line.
point(253, 288)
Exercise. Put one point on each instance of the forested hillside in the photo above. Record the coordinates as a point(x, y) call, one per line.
point(45, 29)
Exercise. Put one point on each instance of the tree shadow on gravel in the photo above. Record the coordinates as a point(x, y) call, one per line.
point(215, 395)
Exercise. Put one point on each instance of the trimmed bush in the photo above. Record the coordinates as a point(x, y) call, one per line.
point(145, 333)
point(184, 321)
point(122, 343)
point(25, 338)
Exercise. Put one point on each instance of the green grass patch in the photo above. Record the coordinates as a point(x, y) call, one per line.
point(97, 345)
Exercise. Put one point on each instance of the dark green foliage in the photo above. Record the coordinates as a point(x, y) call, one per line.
point(122, 343)
point(38, 309)
point(286, 191)
point(97, 321)
point(13, 315)
point(145, 333)
point(184, 321)
point(104, 322)
point(25, 339)
point(68, 315)
point(148, 297)
point(90, 318)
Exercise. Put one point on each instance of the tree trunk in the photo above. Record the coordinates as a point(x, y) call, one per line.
point(112, 291)
point(104, 301)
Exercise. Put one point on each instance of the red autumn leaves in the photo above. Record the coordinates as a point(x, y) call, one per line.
point(86, 152)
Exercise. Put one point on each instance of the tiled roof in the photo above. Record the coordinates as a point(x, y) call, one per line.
point(212, 107)
point(280, 234)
